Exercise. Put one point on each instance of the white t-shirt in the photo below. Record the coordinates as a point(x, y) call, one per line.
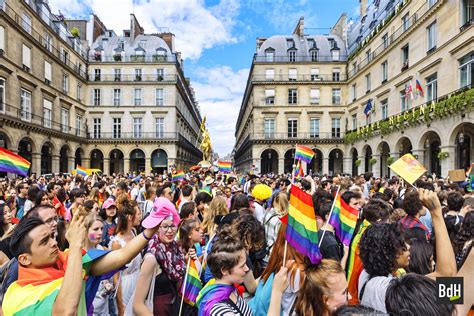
point(375, 290)
point(259, 212)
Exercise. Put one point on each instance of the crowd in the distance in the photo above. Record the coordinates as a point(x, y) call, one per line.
point(123, 244)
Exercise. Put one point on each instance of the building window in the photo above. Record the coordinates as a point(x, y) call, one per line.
point(354, 67)
point(336, 96)
point(269, 74)
point(292, 127)
point(78, 125)
point(336, 128)
point(26, 23)
point(47, 72)
point(160, 74)
point(292, 96)
point(335, 55)
point(159, 96)
point(336, 74)
point(2, 38)
point(64, 120)
point(137, 127)
point(26, 57)
point(48, 42)
point(405, 56)
point(314, 128)
point(314, 54)
point(292, 55)
point(432, 87)
point(385, 41)
point(269, 128)
point(25, 105)
point(404, 101)
point(467, 12)
point(137, 97)
point(384, 107)
point(270, 55)
point(368, 56)
point(314, 74)
point(97, 74)
point(314, 94)
point(65, 83)
point(65, 55)
point(431, 33)
point(466, 70)
point(47, 113)
point(97, 128)
point(97, 97)
point(367, 82)
point(406, 22)
point(117, 127)
point(117, 74)
point(269, 96)
point(354, 92)
point(431, 3)
point(354, 121)
point(384, 71)
point(2, 95)
point(79, 92)
point(138, 75)
point(117, 97)
point(160, 127)
point(292, 74)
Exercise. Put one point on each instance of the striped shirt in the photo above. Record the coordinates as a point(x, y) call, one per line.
point(224, 308)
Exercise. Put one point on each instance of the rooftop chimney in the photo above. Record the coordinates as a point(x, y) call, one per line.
point(299, 29)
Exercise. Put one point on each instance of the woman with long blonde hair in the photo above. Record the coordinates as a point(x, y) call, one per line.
point(271, 220)
point(217, 207)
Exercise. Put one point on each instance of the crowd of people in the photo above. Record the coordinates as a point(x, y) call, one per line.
point(123, 244)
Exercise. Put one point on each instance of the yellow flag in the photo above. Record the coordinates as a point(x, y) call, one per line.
point(408, 168)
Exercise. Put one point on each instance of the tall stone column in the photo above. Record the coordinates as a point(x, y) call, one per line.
point(449, 162)
point(126, 165)
point(71, 163)
point(86, 163)
point(376, 166)
point(347, 165)
point(55, 164)
point(147, 165)
point(281, 165)
point(325, 165)
point(106, 165)
point(257, 163)
point(36, 163)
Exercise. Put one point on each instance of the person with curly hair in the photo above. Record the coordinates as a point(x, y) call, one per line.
point(463, 240)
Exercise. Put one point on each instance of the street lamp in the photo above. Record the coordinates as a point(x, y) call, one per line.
point(427, 143)
point(461, 138)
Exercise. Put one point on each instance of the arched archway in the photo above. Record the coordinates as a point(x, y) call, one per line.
point(463, 136)
point(355, 157)
point(404, 146)
point(116, 162)
point(431, 144)
point(78, 157)
point(384, 152)
point(25, 149)
point(97, 159)
point(46, 158)
point(137, 161)
point(5, 143)
point(159, 161)
point(289, 160)
point(335, 162)
point(367, 156)
point(63, 159)
point(316, 164)
point(269, 161)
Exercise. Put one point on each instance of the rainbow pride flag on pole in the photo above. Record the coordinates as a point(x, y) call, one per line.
point(10, 162)
point(177, 176)
point(193, 284)
point(224, 166)
point(82, 171)
point(302, 231)
point(343, 219)
point(304, 153)
point(299, 173)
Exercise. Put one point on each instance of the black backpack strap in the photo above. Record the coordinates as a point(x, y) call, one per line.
point(362, 290)
point(234, 306)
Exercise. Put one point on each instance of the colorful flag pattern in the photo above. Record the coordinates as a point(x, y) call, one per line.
point(225, 166)
point(11, 162)
point(344, 220)
point(368, 108)
point(304, 153)
point(419, 89)
point(193, 284)
point(408, 91)
point(177, 176)
point(82, 171)
point(302, 231)
point(299, 173)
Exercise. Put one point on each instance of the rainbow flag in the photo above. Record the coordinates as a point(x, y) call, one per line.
point(344, 220)
point(354, 265)
point(212, 294)
point(193, 284)
point(302, 231)
point(299, 173)
point(224, 166)
point(82, 171)
point(178, 176)
point(10, 162)
point(304, 153)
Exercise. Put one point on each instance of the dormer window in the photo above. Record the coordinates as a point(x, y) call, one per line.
point(139, 51)
point(311, 43)
point(290, 43)
point(313, 53)
point(292, 55)
point(142, 44)
point(160, 54)
point(269, 55)
point(335, 54)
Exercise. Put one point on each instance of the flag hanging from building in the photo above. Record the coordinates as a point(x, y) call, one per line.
point(419, 89)
point(343, 219)
point(408, 91)
point(368, 108)
point(11, 162)
point(302, 231)
point(408, 168)
point(303, 153)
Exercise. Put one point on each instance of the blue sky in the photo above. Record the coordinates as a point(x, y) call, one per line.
point(217, 40)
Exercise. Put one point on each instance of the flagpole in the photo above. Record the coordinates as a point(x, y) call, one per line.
point(184, 286)
point(330, 213)
point(284, 252)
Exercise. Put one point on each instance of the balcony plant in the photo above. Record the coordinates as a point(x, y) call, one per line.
point(159, 78)
point(372, 161)
point(138, 77)
point(390, 160)
point(75, 32)
point(118, 57)
point(157, 57)
point(358, 162)
point(443, 155)
point(137, 58)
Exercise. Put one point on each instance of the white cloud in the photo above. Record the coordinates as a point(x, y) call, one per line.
point(219, 91)
point(196, 27)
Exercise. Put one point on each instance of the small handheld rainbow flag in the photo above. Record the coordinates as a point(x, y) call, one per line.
point(225, 166)
point(10, 162)
point(344, 220)
point(193, 285)
point(178, 176)
point(82, 171)
point(302, 231)
point(299, 170)
point(304, 153)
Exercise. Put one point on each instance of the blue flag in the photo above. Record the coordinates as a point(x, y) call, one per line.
point(368, 108)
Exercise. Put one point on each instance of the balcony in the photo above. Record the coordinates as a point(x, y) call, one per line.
point(133, 136)
point(96, 56)
point(299, 78)
point(306, 137)
point(134, 78)
point(298, 59)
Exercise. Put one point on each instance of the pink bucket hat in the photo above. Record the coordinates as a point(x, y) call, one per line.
point(162, 208)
